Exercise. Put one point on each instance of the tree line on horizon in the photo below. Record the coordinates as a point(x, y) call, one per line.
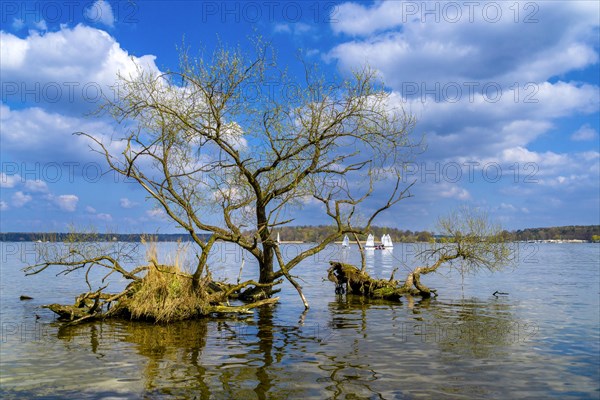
point(570, 232)
point(309, 234)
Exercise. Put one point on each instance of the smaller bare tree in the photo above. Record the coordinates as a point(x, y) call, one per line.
point(469, 242)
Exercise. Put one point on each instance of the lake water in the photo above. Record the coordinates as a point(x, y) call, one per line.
point(542, 340)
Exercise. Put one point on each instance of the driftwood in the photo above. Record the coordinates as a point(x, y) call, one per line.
point(352, 280)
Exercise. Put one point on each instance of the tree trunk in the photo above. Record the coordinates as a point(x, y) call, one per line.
point(202, 259)
point(266, 265)
point(414, 278)
point(363, 258)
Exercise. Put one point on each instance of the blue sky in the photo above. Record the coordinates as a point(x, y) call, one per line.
point(506, 95)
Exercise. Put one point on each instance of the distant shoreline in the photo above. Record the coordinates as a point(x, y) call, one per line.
point(311, 234)
point(352, 244)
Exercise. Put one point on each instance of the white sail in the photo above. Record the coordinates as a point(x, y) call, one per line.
point(387, 241)
point(278, 240)
point(370, 242)
point(346, 241)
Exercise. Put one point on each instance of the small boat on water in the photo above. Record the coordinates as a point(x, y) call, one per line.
point(370, 242)
point(386, 241)
point(346, 242)
point(278, 240)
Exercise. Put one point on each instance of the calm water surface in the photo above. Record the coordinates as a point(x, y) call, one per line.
point(540, 341)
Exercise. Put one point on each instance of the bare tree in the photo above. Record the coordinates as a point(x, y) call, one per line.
point(470, 242)
point(231, 144)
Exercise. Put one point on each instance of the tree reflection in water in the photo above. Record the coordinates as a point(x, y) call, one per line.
point(381, 350)
point(367, 349)
point(226, 358)
point(172, 353)
point(247, 374)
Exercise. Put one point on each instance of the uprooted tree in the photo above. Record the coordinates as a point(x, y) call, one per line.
point(470, 242)
point(230, 144)
point(158, 292)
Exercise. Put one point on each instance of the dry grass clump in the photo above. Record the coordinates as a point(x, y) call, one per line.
point(166, 293)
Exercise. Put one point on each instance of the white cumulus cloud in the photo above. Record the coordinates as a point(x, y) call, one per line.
point(67, 202)
point(126, 203)
point(19, 199)
point(104, 217)
point(8, 181)
point(156, 213)
point(18, 24)
point(36, 186)
point(37, 135)
point(586, 132)
point(455, 192)
point(101, 12)
point(65, 68)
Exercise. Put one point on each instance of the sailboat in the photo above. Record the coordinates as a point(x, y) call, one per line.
point(346, 242)
point(386, 241)
point(278, 240)
point(370, 242)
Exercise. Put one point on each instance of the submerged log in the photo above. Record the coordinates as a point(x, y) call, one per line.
point(257, 293)
point(68, 313)
point(243, 309)
point(354, 281)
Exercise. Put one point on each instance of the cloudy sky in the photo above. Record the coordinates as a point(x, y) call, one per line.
point(506, 95)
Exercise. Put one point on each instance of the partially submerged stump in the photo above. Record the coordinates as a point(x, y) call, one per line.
point(354, 281)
